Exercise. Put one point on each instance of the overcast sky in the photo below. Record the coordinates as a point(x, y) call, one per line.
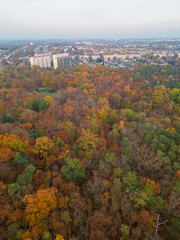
point(49, 19)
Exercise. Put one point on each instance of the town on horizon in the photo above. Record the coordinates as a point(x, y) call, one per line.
point(123, 53)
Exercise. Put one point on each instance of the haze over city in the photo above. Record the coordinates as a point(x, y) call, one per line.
point(45, 19)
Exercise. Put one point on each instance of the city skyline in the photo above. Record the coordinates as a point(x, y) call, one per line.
point(24, 19)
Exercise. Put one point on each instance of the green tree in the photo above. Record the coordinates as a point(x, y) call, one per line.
point(117, 172)
point(7, 118)
point(125, 147)
point(20, 160)
point(130, 181)
point(21, 180)
point(12, 188)
point(110, 158)
point(58, 141)
point(29, 171)
point(73, 170)
point(117, 184)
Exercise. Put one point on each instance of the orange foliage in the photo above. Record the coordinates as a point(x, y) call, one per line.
point(155, 187)
point(147, 220)
point(105, 198)
point(26, 126)
point(16, 215)
point(59, 237)
point(176, 176)
point(39, 206)
point(68, 108)
point(5, 211)
point(28, 115)
point(63, 202)
point(5, 139)
point(71, 90)
point(84, 74)
point(6, 154)
point(14, 142)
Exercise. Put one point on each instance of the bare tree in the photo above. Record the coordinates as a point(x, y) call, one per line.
point(158, 225)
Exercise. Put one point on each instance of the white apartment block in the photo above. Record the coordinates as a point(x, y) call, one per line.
point(121, 56)
point(42, 61)
point(46, 60)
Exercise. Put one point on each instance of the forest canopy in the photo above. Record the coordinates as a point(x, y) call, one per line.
point(89, 153)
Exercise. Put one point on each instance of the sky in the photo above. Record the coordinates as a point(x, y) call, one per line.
point(89, 19)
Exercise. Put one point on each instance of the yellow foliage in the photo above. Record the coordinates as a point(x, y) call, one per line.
point(104, 103)
point(43, 146)
point(87, 143)
point(102, 114)
point(168, 120)
point(48, 99)
point(170, 129)
point(5, 139)
point(114, 133)
point(92, 90)
point(14, 142)
point(85, 91)
point(18, 145)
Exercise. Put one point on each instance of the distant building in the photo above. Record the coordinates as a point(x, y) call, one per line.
point(95, 57)
point(41, 61)
point(133, 55)
point(60, 55)
point(47, 59)
point(84, 57)
point(114, 56)
point(43, 54)
point(62, 62)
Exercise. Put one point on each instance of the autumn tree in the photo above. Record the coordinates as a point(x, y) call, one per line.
point(39, 206)
point(20, 160)
point(73, 170)
point(43, 147)
point(87, 143)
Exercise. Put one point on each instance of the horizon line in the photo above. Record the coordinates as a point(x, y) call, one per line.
point(82, 39)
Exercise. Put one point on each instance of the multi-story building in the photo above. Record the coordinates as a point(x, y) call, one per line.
point(42, 60)
point(49, 60)
point(62, 61)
